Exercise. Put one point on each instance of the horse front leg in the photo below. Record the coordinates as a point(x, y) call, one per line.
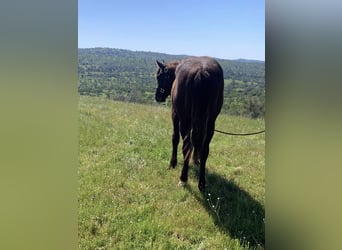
point(175, 140)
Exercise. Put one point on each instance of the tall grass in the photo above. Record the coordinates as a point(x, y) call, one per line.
point(129, 199)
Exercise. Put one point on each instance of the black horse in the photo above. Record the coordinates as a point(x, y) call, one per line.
point(196, 88)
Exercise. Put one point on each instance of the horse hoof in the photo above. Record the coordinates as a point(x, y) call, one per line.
point(181, 183)
point(173, 164)
point(201, 187)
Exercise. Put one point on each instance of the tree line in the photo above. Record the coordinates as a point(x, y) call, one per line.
point(125, 75)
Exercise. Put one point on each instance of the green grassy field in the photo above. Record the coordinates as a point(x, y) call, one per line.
point(129, 199)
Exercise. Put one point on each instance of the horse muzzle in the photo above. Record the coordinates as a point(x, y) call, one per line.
point(160, 99)
point(160, 95)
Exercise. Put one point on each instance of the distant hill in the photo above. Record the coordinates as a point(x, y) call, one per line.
point(249, 60)
point(129, 76)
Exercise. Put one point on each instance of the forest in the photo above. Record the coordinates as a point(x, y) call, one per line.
point(125, 75)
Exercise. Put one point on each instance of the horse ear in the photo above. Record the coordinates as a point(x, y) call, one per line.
point(160, 64)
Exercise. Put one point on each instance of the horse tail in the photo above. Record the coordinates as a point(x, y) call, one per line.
point(201, 109)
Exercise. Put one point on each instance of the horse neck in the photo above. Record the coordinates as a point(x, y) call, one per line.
point(171, 66)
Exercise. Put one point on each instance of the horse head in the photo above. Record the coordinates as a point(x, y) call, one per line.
point(165, 76)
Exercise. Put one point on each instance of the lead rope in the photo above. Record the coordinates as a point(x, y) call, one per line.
point(227, 133)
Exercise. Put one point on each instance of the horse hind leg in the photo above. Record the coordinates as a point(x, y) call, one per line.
point(187, 150)
point(204, 156)
point(175, 140)
point(197, 146)
point(196, 156)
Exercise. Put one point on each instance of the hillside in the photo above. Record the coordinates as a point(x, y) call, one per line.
point(129, 199)
point(129, 76)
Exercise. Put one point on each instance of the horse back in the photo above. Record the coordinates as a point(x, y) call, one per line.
point(198, 87)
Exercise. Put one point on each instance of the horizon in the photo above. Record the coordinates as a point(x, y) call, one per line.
point(144, 51)
point(229, 30)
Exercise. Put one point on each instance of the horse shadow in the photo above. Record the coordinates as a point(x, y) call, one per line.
point(232, 209)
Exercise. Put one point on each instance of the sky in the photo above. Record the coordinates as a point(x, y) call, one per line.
point(227, 29)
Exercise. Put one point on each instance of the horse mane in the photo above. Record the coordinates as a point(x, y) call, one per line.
point(172, 65)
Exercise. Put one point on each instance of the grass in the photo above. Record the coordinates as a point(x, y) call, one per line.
point(129, 199)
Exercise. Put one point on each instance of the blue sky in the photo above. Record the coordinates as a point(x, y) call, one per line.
point(228, 29)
